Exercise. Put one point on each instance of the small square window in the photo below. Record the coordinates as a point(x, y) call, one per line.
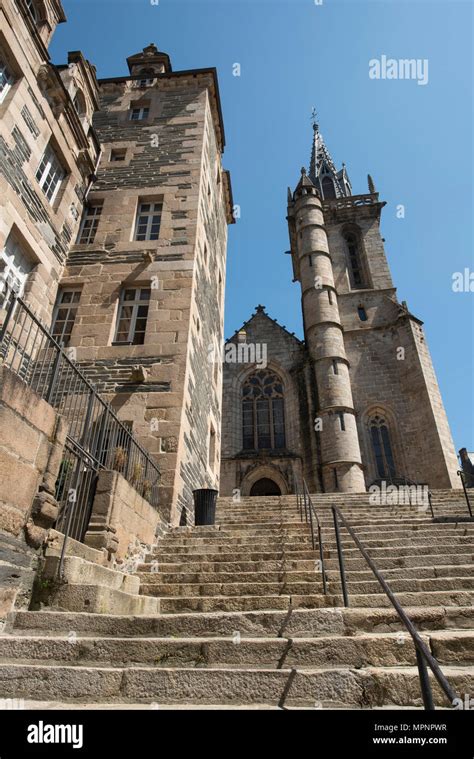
point(139, 113)
point(118, 154)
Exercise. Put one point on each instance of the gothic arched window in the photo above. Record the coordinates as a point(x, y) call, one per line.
point(382, 446)
point(263, 411)
point(329, 191)
point(355, 261)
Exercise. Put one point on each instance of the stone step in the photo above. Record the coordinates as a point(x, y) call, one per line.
point(362, 529)
point(299, 623)
point(410, 560)
point(78, 571)
point(405, 585)
point(154, 564)
point(369, 687)
point(303, 534)
point(203, 578)
point(253, 542)
point(292, 543)
point(287, 584)
point(98, 599)
point(171, 605)
point(165, 590)
point(367, 649)
point(419, 573)
point(227, 556)
point(215, 565)
point(268, 552)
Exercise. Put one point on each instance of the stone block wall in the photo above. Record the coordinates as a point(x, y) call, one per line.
point(121, 519)
point(32, 437)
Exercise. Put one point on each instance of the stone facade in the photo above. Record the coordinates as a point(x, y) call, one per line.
point(369, 405)
point(164, 387)
point(39, 119)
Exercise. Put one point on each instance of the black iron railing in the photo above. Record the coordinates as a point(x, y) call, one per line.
point(308, 514)
point(96, 438)
point(462, 475)
point(424, 657)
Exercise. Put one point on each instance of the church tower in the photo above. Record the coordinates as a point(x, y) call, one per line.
point(339, 445)
point(380, 415)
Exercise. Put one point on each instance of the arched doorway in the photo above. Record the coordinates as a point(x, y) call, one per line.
point(265, 486)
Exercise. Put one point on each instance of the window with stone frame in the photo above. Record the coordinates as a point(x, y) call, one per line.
point(64, 314)
point(118, 154)
point(147, 225)
point(50, 174)
point(147, 77)
point(6, 77)
point(89, 223)
point(263, 411)
point(15, 265)
point(139, 112)
point(132, 316)
point(382, 446)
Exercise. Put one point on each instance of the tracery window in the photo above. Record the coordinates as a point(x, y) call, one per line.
point(263, 411)
point(382, 446)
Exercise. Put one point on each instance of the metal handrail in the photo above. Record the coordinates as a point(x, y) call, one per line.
point(304, 501)
point(23, 350)
point(423, 654)
point(462, 475)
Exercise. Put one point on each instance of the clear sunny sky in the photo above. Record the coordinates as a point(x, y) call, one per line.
point(415, 140)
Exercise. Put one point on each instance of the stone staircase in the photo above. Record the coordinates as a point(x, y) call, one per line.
point(243, 621)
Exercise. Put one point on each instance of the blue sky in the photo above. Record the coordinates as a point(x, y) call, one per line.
point(416, 141)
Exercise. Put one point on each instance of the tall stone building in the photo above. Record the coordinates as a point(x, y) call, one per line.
point(143, 287)
point(358, 401)
point(114, 207)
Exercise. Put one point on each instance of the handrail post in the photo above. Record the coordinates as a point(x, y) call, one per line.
point(321, 557)
point(426, 692)
point(466, 494)
point(54, 377)
point(430, 501)
point(8, 316)
point(311, 523)
point(341, 558)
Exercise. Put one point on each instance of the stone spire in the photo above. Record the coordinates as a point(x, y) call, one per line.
point(329, 182)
